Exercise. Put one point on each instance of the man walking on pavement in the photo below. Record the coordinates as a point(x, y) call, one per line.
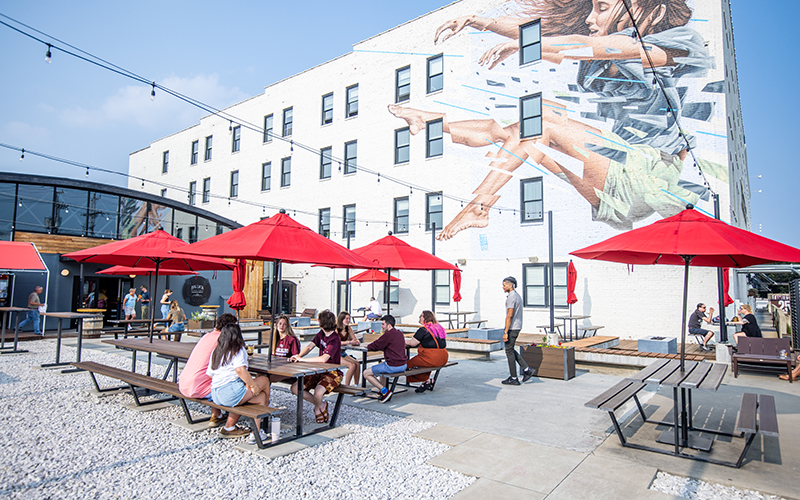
point(511, 332)
point(33, 310)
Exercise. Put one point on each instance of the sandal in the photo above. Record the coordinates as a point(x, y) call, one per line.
point(322, 417)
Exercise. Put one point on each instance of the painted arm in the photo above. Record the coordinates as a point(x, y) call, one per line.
point(612, 47)
point(505, 26)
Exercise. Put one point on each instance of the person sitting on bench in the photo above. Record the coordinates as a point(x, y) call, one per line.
point(431, 352)
point(374, 310)
point(750, 327)
point(695, 321)
point(795, 373)
point(330, 348)
point(194, 383)
point(348, 338)
point(231, 383)
point(393, 344)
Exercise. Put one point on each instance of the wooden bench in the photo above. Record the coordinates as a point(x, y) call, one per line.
point(417, 371)
point(757, 415)
point(587, 329)
point(308, 313)
point(134, 380)
point(760, 353)
point(614, 398)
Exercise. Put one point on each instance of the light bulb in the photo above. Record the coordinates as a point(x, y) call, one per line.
point(48, 54)
point(153, 92)
point(22, 156)
point(66, 210)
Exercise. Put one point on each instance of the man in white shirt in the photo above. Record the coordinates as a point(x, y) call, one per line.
point(374, 309)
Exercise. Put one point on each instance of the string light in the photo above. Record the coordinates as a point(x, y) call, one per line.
point(153, 92)
point(22, 156)
point(230, 126)
point(87, 172)
point(48, 54)
point(379, 177)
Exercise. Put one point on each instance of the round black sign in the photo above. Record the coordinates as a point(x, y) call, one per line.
point(196, 291)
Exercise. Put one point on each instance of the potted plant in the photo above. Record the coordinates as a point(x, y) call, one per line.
point(550, 361)
point(200, 320)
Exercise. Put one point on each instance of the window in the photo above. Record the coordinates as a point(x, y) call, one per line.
point(535, 278)
point(531, 200)
point(350, 157)
point(236, 141)
point(351, 107)
point(402, 145)
point(349, 221)
point(209, 142)
point(234, 184)
point(195, 152)
point(435, 139)
point(267, 128)
point(164, 193)
point(441, 286)
point(530, 42)
point(192, 234)
point(288, 118)
point(435, 73)
point(530, 116)
point(402, 85)
point(325, 163)
point(433, 210)
point(401, 215)
point(165, 162)
point(192, 192)
point(327, 108)
point(325, 222)
point(206, 189)
point(394, 287)
point(266, 176)
point(286, 172)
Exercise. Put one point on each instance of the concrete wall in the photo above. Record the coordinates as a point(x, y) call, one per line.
point(613, 131)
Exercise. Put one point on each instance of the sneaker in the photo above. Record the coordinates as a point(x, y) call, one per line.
point(216, 421)
point(527, 374)
point(234, 433)
point(511, 381)
point(425, 386)
point(705, 347)
point(252, 438)
point(385, 397)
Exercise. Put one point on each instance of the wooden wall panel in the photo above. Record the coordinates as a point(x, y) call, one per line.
point(253, 289)
point(58, 243)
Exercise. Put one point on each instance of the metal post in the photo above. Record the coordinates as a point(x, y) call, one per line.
point(723, 327)
point(550, 269)
point(433, 275)
point(347, 281)
point(687, 260)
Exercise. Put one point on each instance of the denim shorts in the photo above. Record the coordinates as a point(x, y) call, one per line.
point(384, 369)
point(230, 394)
point(177, 327)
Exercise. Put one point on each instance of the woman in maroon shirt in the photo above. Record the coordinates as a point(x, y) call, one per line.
point(348, 338)
point(330, 346)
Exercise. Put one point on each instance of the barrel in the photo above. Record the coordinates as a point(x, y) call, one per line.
point(92, 327)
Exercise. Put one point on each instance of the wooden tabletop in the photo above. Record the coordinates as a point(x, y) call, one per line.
point(13, 309)
point(180, 350)
point(137, 321)
point(695, 375)
point(90, 310)
point(573, 318)
point(70, 315)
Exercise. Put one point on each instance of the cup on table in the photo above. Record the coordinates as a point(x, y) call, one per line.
point(250, 350)
point(784, 353)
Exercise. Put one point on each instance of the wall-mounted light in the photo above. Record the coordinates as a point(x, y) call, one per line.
point(462, 262)
point(65, 272)
point(533, 259)
point(132, 276)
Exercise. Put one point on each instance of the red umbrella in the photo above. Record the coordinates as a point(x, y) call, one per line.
point(142, 271)
point(572, 280)
point(457, 286)
point(726, 285)
point(690, 238)
point(237, 300)
point(151, 250)
point(281, 239)
point(390, 253)
point(373, 275)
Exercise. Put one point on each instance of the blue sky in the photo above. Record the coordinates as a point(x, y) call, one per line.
point(222, 53)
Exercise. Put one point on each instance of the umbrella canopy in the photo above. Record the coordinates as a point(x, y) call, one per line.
point(690, 238)
point(373, 275)
point(572, 280)
point(457, 286)
point(143, 271)
point(726, 285)
point(237, 300)
point(279, 238)
point(390, 252)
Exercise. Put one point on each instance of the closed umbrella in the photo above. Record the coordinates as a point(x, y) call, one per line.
point(280, 239)
point(726, 285)
point(391, 252)
point(572, 280)
point(690, 238)
point(237, 300)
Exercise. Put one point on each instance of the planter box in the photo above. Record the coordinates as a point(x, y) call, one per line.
point(550, 362)
point(200, 325)
point(662, 345)
point(485, 333)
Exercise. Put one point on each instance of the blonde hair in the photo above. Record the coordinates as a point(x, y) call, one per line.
point(747, 308)
point(174, 305)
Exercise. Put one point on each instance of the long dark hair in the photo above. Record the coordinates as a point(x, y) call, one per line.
point(568, 17)
point(344, 333)
point(229, 343)
point(289, 330)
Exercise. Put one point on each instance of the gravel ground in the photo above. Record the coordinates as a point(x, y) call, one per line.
point(701, 490)
point(61, 442)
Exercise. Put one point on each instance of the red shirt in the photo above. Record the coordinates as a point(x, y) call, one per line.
point(393, 345)
point(330, 345)
point(287, 347)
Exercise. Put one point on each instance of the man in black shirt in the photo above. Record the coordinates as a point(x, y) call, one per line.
point(695, 320)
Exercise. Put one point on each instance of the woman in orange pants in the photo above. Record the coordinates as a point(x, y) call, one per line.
point(431, 352)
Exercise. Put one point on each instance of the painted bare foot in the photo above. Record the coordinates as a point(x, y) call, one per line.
point(414, 117)
point(474, 215)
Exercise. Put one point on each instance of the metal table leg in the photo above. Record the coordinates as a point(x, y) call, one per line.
point(299, 417)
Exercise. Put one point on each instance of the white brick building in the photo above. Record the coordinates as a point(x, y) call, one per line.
point(597, 166)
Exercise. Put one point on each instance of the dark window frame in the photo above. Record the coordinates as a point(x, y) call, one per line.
point(558, 267)
point(195, 153)
point(234, 190)
point(192, 192)
point(402, 147)
point(206, 189)
point(437, 285)
point(288, 113)
point(327, 113)
point(523, 119)
point(165, 162)
point(430, 77)
point(399, 94)
point(428, 213)
point(350, 162)
point(522, 48)
point(236, 139)
point(430, 141)
point(345, 221)
point(324, 228)
point(209, 146)
point(399, 227)
point(523, 201)
point(268, 126)
point(325, 163)
point(286, 174)
point(350, 103)
point(266, 176)
point(390, 287)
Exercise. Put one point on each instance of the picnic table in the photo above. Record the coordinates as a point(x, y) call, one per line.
point(6, 311)
point(457, 315)
point(572, 320)
point(61, 316)
point(368, 356)
point(258, 363)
